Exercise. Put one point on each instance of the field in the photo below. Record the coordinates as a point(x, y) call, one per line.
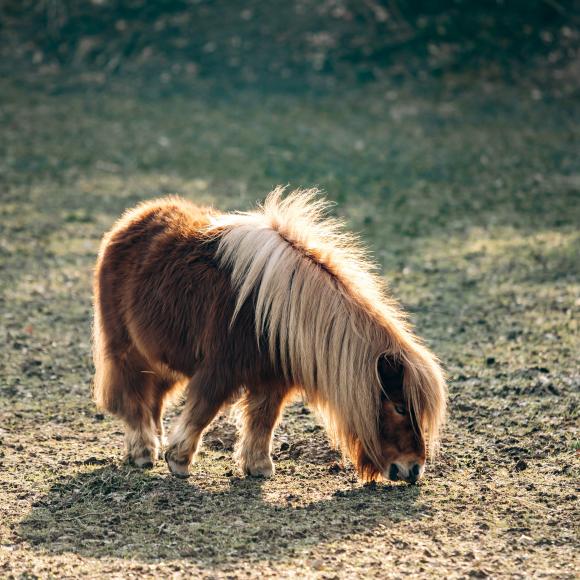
point(468, 193)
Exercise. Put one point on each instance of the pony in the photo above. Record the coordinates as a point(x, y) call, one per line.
point(253, 308)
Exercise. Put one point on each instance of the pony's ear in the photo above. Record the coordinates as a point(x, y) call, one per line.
point(390, 373)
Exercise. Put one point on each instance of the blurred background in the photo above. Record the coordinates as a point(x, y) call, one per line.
point(453, 108)
point(448, 134)
point(287, 44)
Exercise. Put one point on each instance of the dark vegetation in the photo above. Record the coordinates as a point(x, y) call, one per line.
point(289, 43)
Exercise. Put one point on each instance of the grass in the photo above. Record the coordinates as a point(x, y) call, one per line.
point(468, 194)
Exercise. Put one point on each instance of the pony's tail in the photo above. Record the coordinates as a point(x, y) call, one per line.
point(105, 392)
point(116, 383)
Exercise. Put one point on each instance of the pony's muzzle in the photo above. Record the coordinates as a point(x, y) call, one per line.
point(411, 473)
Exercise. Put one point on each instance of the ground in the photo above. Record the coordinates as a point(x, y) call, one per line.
point(467, 192)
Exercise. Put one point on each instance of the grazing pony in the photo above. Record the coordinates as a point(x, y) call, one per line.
point(256, 307)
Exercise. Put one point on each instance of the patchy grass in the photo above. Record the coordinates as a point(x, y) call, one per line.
point(468, 193)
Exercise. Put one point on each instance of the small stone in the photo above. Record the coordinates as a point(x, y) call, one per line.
point(520, 465)
point(317, 564)
point(335, 468)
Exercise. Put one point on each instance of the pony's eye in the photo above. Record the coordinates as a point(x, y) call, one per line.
point(400, 409)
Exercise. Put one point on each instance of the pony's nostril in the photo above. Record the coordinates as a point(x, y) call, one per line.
point(393, 472)
point(414, 473)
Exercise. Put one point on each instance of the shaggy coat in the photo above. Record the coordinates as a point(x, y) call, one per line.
point(253, 307)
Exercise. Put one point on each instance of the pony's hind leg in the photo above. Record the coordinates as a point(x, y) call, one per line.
point(142, 417)
point(259, 412)
point(144, 437)
point(205, 397)
point(141, 444)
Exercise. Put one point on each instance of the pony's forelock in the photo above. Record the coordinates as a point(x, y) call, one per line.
point(326, 317)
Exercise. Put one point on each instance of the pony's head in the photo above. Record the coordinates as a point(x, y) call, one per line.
point(402, 444)
point(405, 426)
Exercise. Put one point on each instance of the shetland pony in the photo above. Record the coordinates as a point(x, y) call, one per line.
point(253, 308)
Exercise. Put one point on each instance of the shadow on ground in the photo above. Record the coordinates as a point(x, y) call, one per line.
point(117, 511)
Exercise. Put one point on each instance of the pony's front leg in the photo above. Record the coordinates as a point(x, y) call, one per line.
point(203, 402)
point(260, 412)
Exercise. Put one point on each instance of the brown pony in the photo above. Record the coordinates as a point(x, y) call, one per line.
point(256, 307)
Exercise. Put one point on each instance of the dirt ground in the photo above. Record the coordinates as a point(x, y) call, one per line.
point(467, 191)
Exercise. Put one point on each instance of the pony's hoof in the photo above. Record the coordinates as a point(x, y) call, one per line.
point(178, 468)
point(264, 468)
point(145, 460)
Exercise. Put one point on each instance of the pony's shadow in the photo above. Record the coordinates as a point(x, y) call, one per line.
point(116, 511)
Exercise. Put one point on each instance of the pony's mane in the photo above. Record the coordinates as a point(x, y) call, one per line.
point(326, 317)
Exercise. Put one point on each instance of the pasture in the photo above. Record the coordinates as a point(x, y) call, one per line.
point(467, 192)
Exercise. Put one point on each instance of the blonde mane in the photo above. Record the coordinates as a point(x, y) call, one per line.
point(326, 316)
